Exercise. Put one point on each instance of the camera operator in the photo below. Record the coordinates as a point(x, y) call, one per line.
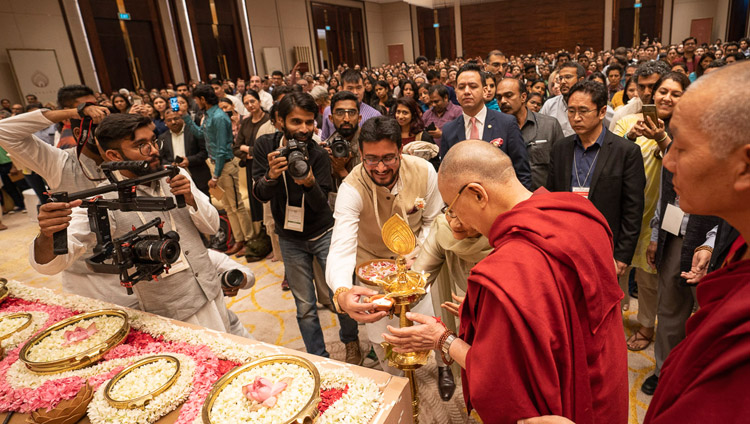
point(191, 290)
point(343, 144)
point(292, 172)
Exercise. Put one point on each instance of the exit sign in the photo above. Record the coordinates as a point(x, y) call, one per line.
point(328, 27)
point(436, 25)
point(637, 5)
point(123, 16)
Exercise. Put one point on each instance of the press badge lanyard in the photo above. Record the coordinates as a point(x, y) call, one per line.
point(294, 216)
point(580, 189)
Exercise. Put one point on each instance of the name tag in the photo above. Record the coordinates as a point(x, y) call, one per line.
point(581, 191)
point(294, 219)
point(672, 220)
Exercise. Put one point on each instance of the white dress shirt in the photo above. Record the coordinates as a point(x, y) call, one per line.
point(266, 100)
point(481, 119)
point(178, 143)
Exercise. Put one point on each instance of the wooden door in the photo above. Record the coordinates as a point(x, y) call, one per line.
point(339, 34)
point(146, 61)
point(701, 29)
point(429, 34)
point(217, 38)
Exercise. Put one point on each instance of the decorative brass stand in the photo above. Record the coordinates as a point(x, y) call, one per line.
point(405, 288)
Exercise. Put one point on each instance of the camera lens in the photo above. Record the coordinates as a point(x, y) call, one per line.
point(165, 251)
point(232, 278)
point(340, 149)
point(298, 166)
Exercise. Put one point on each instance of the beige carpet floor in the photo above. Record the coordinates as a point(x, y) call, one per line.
point(269, 315)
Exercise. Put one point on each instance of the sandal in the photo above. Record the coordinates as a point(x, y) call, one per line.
point(639, 337)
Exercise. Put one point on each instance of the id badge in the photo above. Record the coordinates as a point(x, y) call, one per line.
point(294, 219)
point(581, 191)
point(180, 265)
point(672, 219)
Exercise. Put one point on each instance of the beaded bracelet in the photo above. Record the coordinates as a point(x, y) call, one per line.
point(439, 347)
point(709, 249)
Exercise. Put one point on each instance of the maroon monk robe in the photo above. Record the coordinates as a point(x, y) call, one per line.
point(542, 316)
point(706, 378)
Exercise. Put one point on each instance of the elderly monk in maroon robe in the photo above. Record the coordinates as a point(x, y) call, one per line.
point(706, 378)
point(541, 328)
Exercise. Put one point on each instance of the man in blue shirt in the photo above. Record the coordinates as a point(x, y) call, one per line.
point(216, 129)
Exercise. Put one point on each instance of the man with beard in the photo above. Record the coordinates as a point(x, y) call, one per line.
point(557, 107)
point(191, 291)
point(442, 112)
point(352, 81)
point(385, 183)
point(540, 132)
point(303, 219)
point(345, 118)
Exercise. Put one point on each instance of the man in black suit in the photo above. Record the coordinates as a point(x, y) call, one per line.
point(178, 142)
point(605, 168)
point(479, 123)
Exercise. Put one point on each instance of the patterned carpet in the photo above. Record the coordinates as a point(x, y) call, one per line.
point(268, 313)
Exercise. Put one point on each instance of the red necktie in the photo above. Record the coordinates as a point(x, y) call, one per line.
point(474, 132)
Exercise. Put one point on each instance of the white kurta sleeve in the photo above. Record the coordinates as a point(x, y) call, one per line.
point(342, 255)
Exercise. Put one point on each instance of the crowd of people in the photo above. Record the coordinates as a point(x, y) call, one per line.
point(479, 157)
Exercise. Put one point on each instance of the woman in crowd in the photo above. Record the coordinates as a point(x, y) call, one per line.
point(160, 108)
point(705, 60)
point(227, 106)
point(672, 55)
point(539, 86)
point(489, 91)
point(622, 97)
point(243, 148)
point(369, 83)
point(516, 72)
point(424, 97)
point(407, 88)
point(681, 68)
point(333, 83)
point(409, 117)
point(121, 103)
point(383, 97)
point(598, 77)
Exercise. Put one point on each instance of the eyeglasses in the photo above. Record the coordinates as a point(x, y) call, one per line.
point(448, 209)
point(146, 148)
point(348, 112)
point(387, 160)
point(573, 112)
point(566, 77)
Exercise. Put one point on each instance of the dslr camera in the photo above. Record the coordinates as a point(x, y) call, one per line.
point(295, 153)
point(340, 148)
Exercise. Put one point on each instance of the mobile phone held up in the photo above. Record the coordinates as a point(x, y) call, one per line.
point(650, 111)
point(174, 104)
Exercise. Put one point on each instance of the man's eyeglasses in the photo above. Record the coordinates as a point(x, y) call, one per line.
point(146, 148)
point(448, 209)
point(342, 112)
point(387, 160)
point(573, 112)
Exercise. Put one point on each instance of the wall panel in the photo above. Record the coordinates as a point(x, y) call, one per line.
point(531, 26)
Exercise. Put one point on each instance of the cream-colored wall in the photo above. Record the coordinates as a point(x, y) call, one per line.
point(397, 29)
point(36, 24)
point(378, 49)
point(687, 10)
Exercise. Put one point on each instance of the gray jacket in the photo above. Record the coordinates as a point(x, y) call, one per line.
point(540, 132)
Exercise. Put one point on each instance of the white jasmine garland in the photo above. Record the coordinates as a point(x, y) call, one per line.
point(100, 411)
point(231, 406)
point(154, 325)
point(52, 348)
point(38, 319)
point(358, 405)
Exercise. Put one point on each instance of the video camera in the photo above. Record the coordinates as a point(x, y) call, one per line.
point(296, 156)
point(150, 255)
point(340, 148)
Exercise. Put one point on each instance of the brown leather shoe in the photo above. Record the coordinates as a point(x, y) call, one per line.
point(446, 384)
point(353, 353)
point(235, 248)
point(3, 227)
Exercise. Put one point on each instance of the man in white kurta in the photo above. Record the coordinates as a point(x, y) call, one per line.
point(385, 183)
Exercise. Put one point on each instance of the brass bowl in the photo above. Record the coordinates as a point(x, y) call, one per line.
point(79, 360)
point(21, 327)
point(142, 401)
point(364, 264)
point(308, 413)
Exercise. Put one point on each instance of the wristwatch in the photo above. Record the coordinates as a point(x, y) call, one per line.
point(447, 344)
point(83, 106)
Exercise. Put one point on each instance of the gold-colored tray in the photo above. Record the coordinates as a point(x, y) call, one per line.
point(142, 401)
point(21, 327)
point(4, 291)
point(82, 359)
point(308, 413)
point(363, 264)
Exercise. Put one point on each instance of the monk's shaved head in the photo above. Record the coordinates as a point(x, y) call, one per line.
point(720, 101)
point(475, 161)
